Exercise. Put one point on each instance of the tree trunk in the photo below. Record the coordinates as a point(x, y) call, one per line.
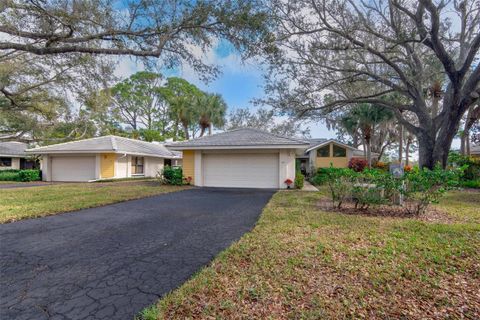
point(210, 129)
point(400, 144)
point(175, 131)
point(364, 148)
point(355, 140)
point(185, 129)
point(467, 143)
point(462, 143)
point(407, 151)
point(202, 131)
point(434, 150)
point(369, 153)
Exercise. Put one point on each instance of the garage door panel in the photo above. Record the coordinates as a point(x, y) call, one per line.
point(73, 168)
point(241, 170)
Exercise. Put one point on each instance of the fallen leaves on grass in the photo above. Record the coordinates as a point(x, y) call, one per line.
point(432, 214)
point(304, 263)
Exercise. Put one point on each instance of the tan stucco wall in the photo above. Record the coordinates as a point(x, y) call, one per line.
point(337, 162)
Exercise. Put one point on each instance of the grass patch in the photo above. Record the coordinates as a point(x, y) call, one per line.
point(23, 203)
point(303, 263)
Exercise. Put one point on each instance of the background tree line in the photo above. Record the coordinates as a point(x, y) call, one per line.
point(147, 106)
point(326, 58)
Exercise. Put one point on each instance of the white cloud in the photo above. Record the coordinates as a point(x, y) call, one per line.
point(126, 66)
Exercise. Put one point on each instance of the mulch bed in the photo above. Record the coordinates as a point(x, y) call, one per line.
point(431, 215)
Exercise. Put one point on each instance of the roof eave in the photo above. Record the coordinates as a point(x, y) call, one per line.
point(328, 142)
point(14, 155)
point(155, 155)
point(34, 151)
point(240, 147)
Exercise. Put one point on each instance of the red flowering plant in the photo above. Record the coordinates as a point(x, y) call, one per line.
point(288, 182)
point(357, 164)
point(188, 180)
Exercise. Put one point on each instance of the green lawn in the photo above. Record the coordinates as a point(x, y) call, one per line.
point(23, 203)
point(302, 263)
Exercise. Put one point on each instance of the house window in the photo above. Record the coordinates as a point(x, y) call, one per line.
point(339, 152)
point(323, 152)
point(137, 165)
point(167, 162)
point(5, 162)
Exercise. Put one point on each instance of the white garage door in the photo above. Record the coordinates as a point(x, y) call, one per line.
point(73, 168)
point(240, 170)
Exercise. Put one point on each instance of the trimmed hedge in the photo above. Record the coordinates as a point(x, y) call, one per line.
point(29, 175)
point(9, 175)
point(20, 175)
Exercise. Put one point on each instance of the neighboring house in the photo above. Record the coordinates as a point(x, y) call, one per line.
point(322, 153)
point(13, 156)
point(244, 158)
point(475, 151)
point(108, 157)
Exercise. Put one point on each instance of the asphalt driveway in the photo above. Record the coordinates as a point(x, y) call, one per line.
point(111, 262)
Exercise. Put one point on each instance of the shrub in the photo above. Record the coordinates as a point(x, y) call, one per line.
point(357, 164)
point(173, 176)
point(471, 165)
point(340, 182)
point(29, 175)
point(299, 180)
point(475, 184)
point(424, 186)
point(373, 187)
point(381, 165)
point(320, 176)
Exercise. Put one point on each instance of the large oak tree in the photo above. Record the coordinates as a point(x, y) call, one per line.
point(363, 51)
point(54, 50)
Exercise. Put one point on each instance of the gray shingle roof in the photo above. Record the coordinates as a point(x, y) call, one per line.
point(108, 144)
point(13, 148)
point(244, 137)
point(315, 142)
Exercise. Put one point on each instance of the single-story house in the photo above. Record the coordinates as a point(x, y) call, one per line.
point(13, 156)
point(107, 157)
point(475, 151)
point(244, 158)
point(321, 153)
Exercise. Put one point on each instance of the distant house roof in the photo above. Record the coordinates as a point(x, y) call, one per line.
point(13, 149)
point(475, 149)
point(244, 138)
point(360, 153)
point(318, 143)
point(113, 144)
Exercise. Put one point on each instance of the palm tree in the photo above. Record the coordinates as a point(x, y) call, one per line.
point(182, 109)
point(211, 112)
point(366, 117)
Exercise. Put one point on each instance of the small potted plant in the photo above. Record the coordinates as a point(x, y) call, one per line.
point(288, 182)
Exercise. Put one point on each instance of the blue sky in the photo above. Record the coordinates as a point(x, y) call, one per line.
point(239, 83)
